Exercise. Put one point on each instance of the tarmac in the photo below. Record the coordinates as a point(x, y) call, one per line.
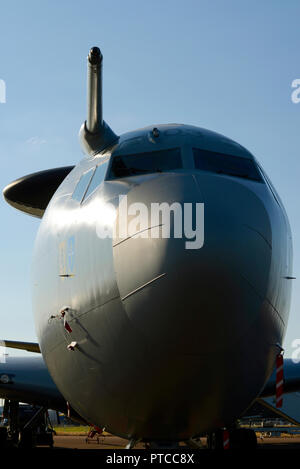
point(110, 442)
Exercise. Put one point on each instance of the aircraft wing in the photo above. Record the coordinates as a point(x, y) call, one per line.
point(291, 378)
point(27, 379)
point(28, 346)
point(290, 409)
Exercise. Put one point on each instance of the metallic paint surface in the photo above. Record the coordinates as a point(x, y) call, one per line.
point(186, 353)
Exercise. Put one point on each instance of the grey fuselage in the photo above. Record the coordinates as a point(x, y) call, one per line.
point(170, 342)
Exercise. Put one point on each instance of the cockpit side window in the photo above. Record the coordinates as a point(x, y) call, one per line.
point(143, 163)
point(270, 185)
point(226, 164)
point(82, 185)
point(98, 178)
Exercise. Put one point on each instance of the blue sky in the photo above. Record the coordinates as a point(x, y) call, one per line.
point(223, 65)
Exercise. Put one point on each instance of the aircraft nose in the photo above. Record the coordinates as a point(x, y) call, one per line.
point(176, 295)
point(196, 312)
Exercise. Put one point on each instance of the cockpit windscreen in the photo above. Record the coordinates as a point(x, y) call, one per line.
point(143, 163)
point(226, 164)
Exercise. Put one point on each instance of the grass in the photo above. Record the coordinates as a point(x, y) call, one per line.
point(70, 430)
point(80, 430)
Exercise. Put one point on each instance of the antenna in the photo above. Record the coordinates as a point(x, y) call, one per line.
point(94, 91)
point(94, 133)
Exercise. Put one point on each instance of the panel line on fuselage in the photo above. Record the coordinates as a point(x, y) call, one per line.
point(142, 286)
point(135, 235)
